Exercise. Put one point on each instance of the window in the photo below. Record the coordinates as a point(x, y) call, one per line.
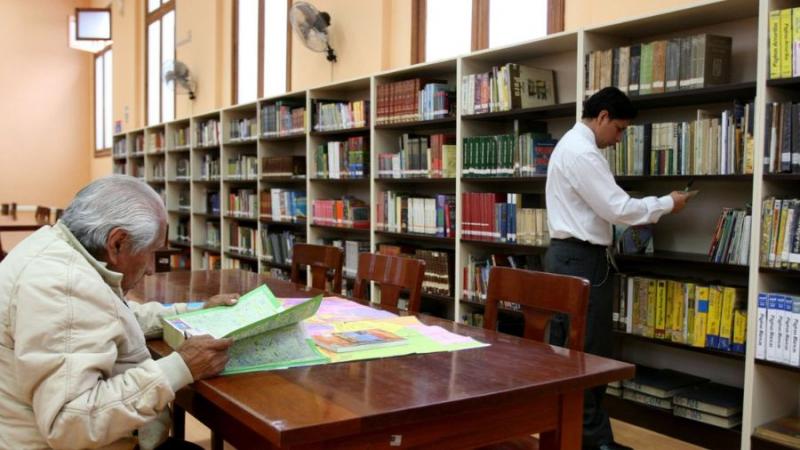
point(448, 28)
point(512, 21)
point(261, 49)
point(160, 48)
point(102, 100)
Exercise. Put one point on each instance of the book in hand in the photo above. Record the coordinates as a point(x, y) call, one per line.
point(351, 341)
point(266, 335)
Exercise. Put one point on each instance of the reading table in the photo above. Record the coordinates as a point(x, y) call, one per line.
point(443, 400)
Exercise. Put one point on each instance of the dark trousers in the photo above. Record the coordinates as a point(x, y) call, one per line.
point(569, 257)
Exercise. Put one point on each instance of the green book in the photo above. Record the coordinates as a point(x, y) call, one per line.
point(266, 335)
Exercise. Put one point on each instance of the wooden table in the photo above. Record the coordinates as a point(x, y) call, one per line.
point(22, 221)
point(444, 400)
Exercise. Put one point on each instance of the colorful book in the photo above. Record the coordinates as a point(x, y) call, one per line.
point(352, 341)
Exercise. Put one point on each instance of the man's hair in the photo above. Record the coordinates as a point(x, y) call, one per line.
point(116, 201)
point(610, 99)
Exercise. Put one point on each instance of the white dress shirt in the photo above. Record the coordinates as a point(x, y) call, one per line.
point(583, 200)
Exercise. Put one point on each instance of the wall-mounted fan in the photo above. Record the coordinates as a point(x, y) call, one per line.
point(176, 75)
point(312, 27)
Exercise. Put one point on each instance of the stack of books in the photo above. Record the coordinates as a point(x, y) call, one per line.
point(414, 100)
point(284, 117)
point(711, 403)
point(345, 159)
point(778, 328)
point(282, 205)
point(689, 62)
point(283, 166)
point(507, 87)
point(708, 145)
point(401, 213)
point(700, 315)
point(657, 387)
point(431, 156)
point(780, 233)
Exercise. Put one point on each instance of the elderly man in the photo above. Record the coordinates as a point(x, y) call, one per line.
point(74, 368)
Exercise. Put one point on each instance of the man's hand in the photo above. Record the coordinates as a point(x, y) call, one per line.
point(222, 300)
point(679, 198)
point(205, 356)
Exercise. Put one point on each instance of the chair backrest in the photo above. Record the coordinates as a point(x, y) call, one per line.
point(42, 215)
point(321, 259)
point(540, 295)
point(59, 213)
point(393, 274)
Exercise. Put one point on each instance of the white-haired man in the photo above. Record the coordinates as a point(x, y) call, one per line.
point(74, 368)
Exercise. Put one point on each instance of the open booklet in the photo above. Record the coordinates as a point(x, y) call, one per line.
point(266, 334)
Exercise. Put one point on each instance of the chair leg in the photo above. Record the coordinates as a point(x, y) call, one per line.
point(217, 443)
point(178, 422)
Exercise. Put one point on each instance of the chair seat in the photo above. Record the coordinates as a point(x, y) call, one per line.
point(520, 443)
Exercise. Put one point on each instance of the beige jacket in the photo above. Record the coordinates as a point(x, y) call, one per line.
point(74, 368)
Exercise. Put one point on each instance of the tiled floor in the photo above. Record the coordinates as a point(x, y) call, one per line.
point(627, 434)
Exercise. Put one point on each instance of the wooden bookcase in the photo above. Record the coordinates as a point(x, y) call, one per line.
point(682, 241)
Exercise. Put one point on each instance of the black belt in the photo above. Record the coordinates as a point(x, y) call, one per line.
point(576, 241)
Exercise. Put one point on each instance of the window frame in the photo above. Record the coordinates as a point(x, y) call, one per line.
point(151, 17)
point(103, 151)
point(260, 63)
point(480, 25)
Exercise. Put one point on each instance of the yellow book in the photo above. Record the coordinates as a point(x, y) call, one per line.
point(714, 311)
point(700, 316)
point(774, 44)
point(781, 234)
point(668, 310)
point(739, 330)
point(661, 298)
point(689, 307)
point(726, 318)
point(766, 229)
point(795, 41)
point(786, 43)
point(650, 323)
point(678, 293)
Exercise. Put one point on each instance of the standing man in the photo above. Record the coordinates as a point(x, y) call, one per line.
point(583, 201)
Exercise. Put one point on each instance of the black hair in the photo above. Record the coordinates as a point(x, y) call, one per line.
point(612, 100)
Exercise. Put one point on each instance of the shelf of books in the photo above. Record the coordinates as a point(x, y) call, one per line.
point(338, 168)
point(776, 371)
point(683, 289)
point(514, 104)
point(447, 162)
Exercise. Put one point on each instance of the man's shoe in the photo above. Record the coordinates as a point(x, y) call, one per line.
point(613, 446)
point(609, 446)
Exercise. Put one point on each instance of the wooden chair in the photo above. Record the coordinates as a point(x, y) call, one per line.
point(540, 295)
point(393, 274)
point(42, 215)
point(321, 259)
point(4, 209)
point(59, 213)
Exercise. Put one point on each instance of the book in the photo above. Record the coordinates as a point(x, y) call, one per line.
point(784, 431)
point(712, 398)
point(711, 419)
point(352, 341)
point(645, 399)
point(661, 383)
point(266, 335)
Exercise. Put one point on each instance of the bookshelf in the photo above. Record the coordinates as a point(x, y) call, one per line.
point(285, 138)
